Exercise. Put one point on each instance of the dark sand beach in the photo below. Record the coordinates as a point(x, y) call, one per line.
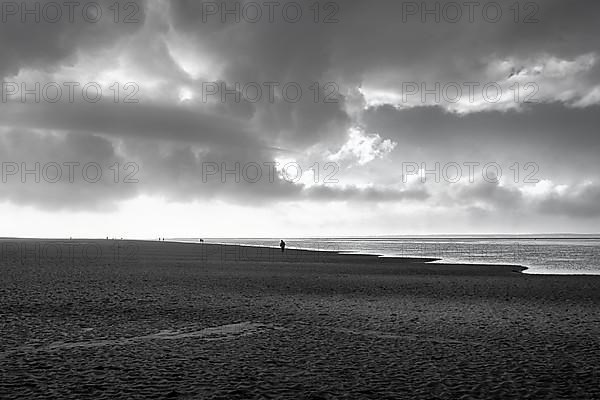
point(107, 319)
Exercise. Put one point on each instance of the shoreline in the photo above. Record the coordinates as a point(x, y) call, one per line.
point(389, 256)
point(274, 249)
point(525, 269)
point(521, 268)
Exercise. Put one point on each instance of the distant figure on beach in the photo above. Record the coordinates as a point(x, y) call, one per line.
point(282, 245)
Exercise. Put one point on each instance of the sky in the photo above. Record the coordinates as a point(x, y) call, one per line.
point(157, 118)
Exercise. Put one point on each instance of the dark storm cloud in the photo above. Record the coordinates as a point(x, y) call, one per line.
point(356, 50)
point(49, 45)
point(184, 172)
point(86, 171)
point(563, 142)
point(365, 194)
point(370, 46)
point(582, 201)
point(278, 52)
point(490, 193)
point(55, 172)
point(458, 50)
point(158, 121)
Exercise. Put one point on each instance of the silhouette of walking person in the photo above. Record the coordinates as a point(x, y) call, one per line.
point(282, 245)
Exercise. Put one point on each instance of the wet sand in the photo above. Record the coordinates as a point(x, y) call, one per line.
point(108, 319)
